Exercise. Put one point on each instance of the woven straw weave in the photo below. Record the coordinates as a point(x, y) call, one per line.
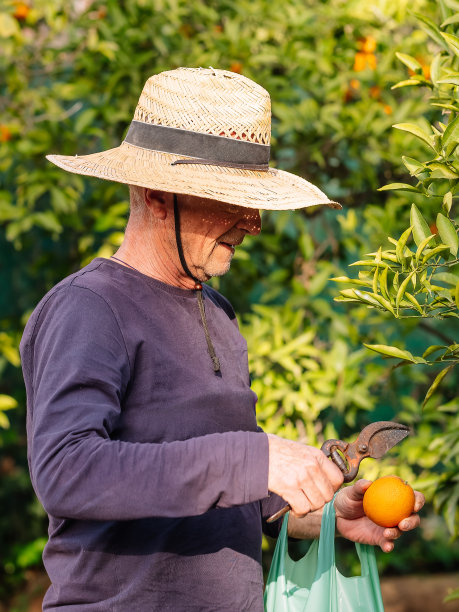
point(207, 101)
point(223, 105)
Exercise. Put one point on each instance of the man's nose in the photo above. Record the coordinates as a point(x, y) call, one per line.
point(250, 221)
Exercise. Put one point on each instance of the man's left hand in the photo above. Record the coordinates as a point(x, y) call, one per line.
point(353, 524)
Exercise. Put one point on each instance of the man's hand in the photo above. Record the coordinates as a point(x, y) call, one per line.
point(353, 524)
point(302, 475)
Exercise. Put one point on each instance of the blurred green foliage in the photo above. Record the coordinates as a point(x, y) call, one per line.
point(71, 76)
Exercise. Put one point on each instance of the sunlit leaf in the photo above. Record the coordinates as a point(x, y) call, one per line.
point(433, 387)
point(416, 131)
point(448, 233)
point(450, 20)
point(400, 248)
point(430, 253)
point(439, 170)
point(452, 42)
point(399, 187)
point(402, 289)
point(409, 61)
point(447, 202)
point(407, 83)
point(7, 402)
point(413, 166)
point(432, 30)
point(423, 245)
point(421, 230)
point(432, 349)
point(414, 302)
point(391, 351)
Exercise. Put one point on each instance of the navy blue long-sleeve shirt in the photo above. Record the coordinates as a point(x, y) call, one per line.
point(150, 466)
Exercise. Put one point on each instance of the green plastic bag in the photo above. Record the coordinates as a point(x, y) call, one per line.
point(313, 584)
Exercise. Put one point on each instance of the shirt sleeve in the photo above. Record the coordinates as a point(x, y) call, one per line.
point(76, 368)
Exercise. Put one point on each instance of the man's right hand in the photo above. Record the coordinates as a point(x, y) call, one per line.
point(302, 475)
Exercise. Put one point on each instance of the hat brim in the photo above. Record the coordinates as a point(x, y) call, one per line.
point(132, 165)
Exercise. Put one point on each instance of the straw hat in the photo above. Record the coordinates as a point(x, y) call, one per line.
point(201, 132)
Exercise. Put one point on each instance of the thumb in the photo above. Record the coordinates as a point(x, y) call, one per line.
point(357, 492)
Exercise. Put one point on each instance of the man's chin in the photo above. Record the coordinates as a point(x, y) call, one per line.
point(210, 271)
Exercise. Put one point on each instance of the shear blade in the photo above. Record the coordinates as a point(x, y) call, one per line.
point(382, 436)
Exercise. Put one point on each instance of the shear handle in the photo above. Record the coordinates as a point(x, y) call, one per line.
point(350, 467)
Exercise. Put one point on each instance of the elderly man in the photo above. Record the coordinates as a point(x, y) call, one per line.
point(143, 443)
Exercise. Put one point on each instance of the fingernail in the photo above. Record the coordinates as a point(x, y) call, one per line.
point(405, 524)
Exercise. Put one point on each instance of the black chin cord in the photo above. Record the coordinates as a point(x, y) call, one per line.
point(197, 288)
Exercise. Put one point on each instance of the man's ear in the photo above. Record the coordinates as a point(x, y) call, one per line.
point(157, 202)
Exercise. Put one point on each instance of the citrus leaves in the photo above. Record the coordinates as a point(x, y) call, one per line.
point(403, 279)
point(448, 233)
point(417, 275)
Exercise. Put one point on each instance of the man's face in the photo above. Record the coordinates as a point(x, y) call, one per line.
point(211, 231)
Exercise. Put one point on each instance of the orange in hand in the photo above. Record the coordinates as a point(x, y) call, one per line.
point(388, 500)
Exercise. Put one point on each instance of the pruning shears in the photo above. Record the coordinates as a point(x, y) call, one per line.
point(373, 441)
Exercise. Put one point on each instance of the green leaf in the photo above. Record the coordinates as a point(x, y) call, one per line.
point(420, 228)
point(456, 295)
point(432, 349)
point(368, 263)
point(374, 299)
point(414, 301)
point(399, 187)
point(409, 61)
point(402, 288)
point(436, 251)
point(391, 351)
point(423, 245)
point(446, 277)
point(406, 83)
point(439, 170)
point(349, 294)
point(352, 281)
point(7, 402)
point(450, 20)
point(450, 138)
point(413, 166)
point(433, 387)
point(432, 30)
point(4, 422)
point(401, 243)
point(383, 283)
point(389, 255)
point(451, 80)
point(447, 233)
point(447, 202)
point(435, 67)
point(452, 42)
point(416, 131)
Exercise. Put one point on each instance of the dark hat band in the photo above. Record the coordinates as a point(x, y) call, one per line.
point(206, 147)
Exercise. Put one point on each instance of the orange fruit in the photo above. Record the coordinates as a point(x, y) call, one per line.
point(21, 11)
point(5, 133)
point(388, 500)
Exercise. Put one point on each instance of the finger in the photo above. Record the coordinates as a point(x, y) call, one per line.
point(318, 492)
point(386, 546)
point(332, 473)
point(359, 488)
point(419, 502)
point(392, 533)
point(410, 523)
point(299, 504)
